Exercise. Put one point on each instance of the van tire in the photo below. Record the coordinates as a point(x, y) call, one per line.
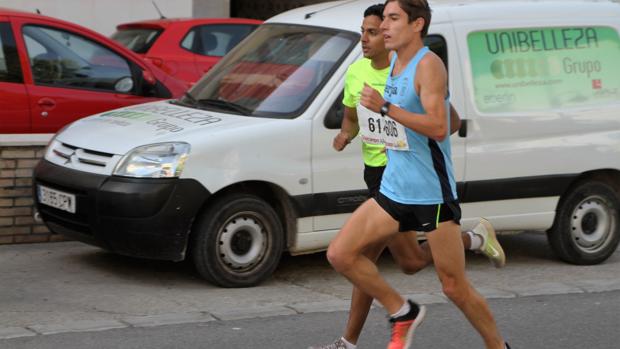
point(587, 229)
point(238, 241)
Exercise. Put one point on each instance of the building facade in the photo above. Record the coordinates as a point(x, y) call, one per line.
point(263, 9)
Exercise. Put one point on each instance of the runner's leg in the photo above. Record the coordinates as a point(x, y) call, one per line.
point(368, 225)
point(413, 256)
point(360, 301)
point(408, 253)
point(449, 258)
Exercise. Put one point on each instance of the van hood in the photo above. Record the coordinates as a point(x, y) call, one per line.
point(121, 130)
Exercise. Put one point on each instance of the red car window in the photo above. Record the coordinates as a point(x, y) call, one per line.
point(139, 40)
point(65, 59)
point(215, 39)
point(10, 68)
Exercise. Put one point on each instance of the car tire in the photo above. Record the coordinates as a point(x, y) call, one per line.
point(238, 241)
point(587, 229)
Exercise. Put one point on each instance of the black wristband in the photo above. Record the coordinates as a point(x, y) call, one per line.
point(385, 108)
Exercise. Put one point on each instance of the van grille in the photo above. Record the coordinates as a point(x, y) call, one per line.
point(87, 160)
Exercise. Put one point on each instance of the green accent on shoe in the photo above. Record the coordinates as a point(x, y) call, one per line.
point(490, 246)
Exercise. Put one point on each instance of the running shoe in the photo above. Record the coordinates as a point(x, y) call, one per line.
point(490, 246)
point(338, 344)
point(403, 327)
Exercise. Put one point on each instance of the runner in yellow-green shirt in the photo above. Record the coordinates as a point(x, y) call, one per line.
point(373, 70)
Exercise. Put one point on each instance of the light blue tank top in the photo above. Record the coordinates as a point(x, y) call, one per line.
point(423, 174)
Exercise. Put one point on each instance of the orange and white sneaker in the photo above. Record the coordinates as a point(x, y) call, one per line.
point(403, 327)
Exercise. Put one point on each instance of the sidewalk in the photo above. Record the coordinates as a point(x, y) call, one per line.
point(68, 286)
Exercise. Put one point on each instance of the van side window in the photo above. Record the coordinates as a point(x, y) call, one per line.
point(215, 40)
point(63, 59)
point(10, 68)
point(437, 44)
point(333, 119)
point(532, 69)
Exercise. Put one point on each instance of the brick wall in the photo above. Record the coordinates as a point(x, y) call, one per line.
point(17, 224)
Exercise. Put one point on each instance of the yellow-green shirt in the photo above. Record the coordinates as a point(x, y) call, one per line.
point(359, 73)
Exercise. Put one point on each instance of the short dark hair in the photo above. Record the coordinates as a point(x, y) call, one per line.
point(414, 10)
point(374, 10)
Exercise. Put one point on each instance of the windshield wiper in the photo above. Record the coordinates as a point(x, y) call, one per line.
point(192, 100)
point(188, 101)
point(220, 103)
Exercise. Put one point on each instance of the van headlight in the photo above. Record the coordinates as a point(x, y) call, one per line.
point(163, 160)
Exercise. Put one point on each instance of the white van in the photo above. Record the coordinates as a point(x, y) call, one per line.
point(242, 168)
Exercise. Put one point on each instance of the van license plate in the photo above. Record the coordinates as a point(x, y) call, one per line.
point(56, 198)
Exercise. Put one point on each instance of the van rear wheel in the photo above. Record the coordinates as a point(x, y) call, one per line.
point(587, 229)
point(238, 241)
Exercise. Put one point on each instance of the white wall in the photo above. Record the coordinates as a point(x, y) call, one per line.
point(212, 8)
point(103, 15)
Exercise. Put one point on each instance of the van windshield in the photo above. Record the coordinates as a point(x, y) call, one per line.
point(275, 72)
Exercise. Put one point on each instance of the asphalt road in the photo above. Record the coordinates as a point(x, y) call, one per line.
point(73, 295)
point(572, 321)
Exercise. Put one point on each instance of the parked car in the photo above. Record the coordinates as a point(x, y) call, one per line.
point(53, 72)
point(184, 47)
point(242, 168)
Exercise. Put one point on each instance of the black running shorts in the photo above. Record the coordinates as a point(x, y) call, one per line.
point(424, 218)
point(372, 177)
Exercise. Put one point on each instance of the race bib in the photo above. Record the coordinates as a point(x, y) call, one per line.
point(377, 129)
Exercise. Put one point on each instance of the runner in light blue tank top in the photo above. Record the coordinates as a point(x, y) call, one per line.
point(423, 174)
point(418, 191)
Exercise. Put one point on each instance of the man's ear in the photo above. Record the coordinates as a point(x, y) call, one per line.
point(418, 24)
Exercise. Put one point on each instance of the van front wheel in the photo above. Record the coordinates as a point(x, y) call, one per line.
point(586, 230)
point(238, 241)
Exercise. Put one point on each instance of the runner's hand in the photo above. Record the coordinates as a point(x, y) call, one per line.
point(371, 99)
point(340, 141)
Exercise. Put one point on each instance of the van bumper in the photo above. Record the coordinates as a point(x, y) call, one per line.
point(138, 217)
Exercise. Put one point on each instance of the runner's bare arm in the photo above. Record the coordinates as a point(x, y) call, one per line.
point(431, 77)
point(348, 130)
point(455, 120)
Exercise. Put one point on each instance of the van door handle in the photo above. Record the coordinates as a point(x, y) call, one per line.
point(463, 128)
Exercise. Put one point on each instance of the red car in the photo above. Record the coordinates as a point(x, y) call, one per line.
point(185, 48)
point(53, 72)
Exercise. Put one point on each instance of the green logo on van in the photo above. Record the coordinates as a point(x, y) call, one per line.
point(544, 68)
point(125, 114)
